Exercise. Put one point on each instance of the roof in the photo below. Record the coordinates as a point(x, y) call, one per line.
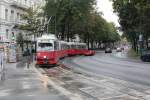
point(48, 37)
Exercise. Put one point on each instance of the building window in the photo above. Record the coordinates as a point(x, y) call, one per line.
point(12, 15)
point(7, 33)
point(6, 14)
point(25, 2)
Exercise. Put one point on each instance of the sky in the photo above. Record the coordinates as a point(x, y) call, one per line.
point(105, 6)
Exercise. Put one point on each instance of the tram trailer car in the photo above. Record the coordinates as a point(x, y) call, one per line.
point(47, 50)
point(89, 52)
point(72, 51)
point(79, 49)
point(84, 50)
point(63, 49)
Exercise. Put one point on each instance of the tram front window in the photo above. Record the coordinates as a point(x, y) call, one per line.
point(45, 46)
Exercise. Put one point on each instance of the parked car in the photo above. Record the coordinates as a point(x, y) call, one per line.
point(118, 49)
point(145, 56)
point(108, 50)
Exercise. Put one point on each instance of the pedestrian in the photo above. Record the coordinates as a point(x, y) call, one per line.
point(28, 62)
point(28, 58)
point(1, 57)
point(2, 63)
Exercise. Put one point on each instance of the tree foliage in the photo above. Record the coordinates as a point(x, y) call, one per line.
point(32, 21)
point(134, 18)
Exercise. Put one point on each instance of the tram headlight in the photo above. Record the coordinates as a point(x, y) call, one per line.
point(44, 57)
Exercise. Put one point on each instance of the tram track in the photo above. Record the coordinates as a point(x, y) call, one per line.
point(87, 87)
point(53, 75)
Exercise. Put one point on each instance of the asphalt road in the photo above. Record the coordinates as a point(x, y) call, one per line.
point(114, 65)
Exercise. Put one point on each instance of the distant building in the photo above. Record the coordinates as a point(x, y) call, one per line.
point(10, 15)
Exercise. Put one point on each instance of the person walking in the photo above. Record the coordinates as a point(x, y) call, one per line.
point(2, 63)
point(28, 58)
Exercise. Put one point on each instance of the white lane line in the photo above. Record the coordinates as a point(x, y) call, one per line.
point(26, 85)
point(5, 92)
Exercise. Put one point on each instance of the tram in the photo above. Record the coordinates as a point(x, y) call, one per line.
point(47, 50)
point(50, 50)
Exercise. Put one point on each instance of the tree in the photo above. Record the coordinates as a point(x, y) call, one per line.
point(68, 13)
point(79, 17)
point(134, 18)
point(32, 25)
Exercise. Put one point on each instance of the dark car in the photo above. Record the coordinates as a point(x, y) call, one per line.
point(108, 50)
point(145, 56)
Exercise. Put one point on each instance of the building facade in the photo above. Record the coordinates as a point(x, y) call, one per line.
point(10, 15)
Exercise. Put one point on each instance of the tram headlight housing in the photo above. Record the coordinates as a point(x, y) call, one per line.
point(44, 57)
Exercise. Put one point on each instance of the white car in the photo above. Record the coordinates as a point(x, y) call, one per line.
point(118, 49)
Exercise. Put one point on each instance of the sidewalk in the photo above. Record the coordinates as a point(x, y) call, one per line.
point(21, 83)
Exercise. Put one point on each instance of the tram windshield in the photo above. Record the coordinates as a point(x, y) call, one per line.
point(45, 46)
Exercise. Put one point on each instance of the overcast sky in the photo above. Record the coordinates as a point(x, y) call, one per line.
point(106, 7)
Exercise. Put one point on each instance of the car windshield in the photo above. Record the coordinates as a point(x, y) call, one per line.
point(45, 46)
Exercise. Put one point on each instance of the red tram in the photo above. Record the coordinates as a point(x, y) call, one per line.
point(50, 50)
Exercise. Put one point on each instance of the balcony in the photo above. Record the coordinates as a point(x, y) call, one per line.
point(19, 5)
point(4, 22)
point(12, 22)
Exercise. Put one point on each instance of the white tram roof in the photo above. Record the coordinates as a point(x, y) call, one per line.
point(47, 37)
point(63, 42)
point(76, 43)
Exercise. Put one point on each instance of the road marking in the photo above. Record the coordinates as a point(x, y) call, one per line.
point(26, 85)
point(5, 92)
point(31, 95)
point(71, 96)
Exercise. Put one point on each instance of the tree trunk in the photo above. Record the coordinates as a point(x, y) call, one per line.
point(63, 32)
point(147, 42)
point(88, 40)
point(92, 46)
point(68, 32)
point(22, 46)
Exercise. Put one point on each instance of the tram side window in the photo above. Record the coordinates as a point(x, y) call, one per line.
point(56, 45)
point(62, 46)
point(77, 46)
point(73, 46)
point(84, 47)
